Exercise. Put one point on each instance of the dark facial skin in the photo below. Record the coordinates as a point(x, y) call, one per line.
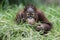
point(30, 15)
point(30, 12)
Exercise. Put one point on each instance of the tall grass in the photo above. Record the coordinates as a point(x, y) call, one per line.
point(9, 30)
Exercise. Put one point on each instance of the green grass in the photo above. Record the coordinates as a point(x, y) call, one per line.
point(9, 30)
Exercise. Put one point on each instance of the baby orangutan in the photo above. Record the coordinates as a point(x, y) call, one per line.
point(31, 15)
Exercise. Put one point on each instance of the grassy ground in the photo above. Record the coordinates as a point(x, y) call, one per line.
point(9, 30)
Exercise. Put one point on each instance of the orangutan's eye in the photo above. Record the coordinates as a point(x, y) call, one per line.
point(27, 14)
point(33, 14)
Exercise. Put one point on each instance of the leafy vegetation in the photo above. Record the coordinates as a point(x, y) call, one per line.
point(9, 30)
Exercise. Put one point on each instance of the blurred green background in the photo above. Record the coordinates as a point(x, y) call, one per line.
point(9, 30)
